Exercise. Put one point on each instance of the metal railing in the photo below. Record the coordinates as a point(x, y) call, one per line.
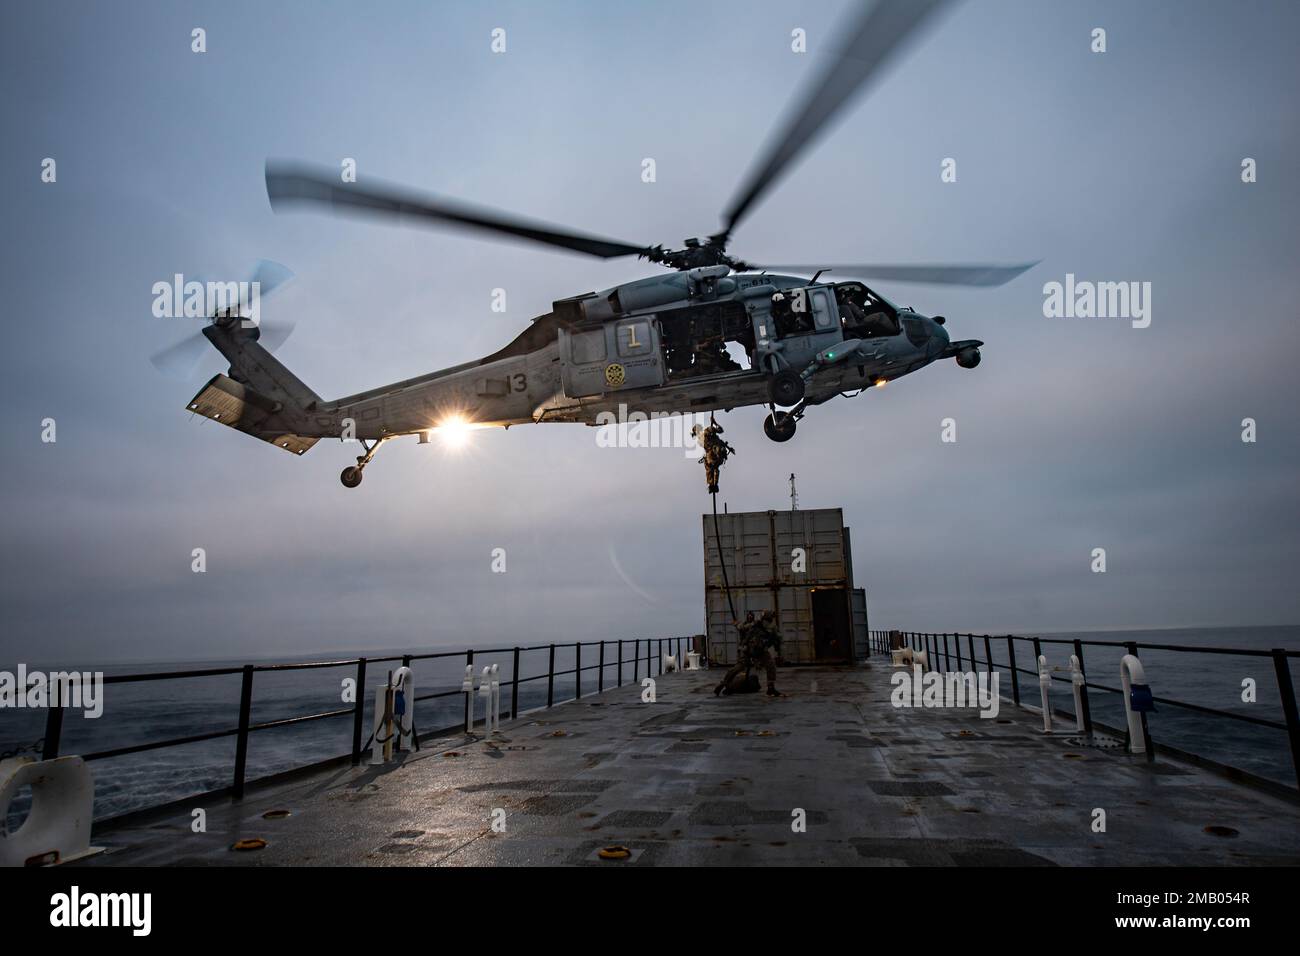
point(647, 651)
point(943, 648)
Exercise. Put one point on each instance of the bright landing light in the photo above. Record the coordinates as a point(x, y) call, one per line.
point(454, 431)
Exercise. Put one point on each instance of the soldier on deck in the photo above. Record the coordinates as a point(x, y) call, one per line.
point(716, 451)
point(744, 630)
point(765, 640)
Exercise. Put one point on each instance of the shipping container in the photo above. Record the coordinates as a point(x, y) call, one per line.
point(796, 563)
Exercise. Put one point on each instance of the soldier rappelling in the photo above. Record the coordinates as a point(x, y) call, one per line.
point(716, 451)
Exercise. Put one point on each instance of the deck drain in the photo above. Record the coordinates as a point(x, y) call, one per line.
point(1220, 831)
point(275, 814)
point(452, 753)
point(1072, 756)
point(614, 853)
point(559, 733)
point(1096, 742)
point(252, 843)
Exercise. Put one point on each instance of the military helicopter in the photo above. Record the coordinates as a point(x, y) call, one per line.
point(658, 344)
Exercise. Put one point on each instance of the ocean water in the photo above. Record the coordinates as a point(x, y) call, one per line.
point(136, 713)
point(142, 712)
point(1203, 679)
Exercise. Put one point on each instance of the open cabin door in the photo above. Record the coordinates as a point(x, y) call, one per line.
point(616, 356)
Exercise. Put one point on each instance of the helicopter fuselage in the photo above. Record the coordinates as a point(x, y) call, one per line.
point(680, 343)
point(600, 360)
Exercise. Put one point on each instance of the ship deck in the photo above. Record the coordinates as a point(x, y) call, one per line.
point(694, 779)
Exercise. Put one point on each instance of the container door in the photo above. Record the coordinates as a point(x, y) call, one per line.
point(832, 632)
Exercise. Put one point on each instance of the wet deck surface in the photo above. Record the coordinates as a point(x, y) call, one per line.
point(693, 779)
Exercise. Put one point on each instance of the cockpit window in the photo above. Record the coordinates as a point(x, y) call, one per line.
point(863, 313)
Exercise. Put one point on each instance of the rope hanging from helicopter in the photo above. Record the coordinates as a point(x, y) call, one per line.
point(716, 452)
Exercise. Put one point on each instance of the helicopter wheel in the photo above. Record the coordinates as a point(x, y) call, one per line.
point(785, 388)
point(779, 426)
point(351, 476)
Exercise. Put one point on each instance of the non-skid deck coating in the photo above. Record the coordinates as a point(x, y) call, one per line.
point(692, 779)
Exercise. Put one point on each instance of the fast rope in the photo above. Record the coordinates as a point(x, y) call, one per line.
point(717, 534)
point(722, 560)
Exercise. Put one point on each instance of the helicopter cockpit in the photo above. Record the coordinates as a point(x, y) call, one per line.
point(863, 313)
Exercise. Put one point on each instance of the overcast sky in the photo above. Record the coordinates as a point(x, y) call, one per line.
point(1073, 434)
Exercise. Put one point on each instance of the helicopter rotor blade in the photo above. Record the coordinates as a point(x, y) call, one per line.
point(292, 183)
point(877, 35)
point(269, 276)
point(272, 335)
point(180, 360)
point(969, 275)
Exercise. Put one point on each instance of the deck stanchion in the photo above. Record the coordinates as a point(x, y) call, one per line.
point(970, 644)
point(988, 658)
point(550, 679)
point(469, 698)
point(1287, 691)
point(514, 687)
point(241, 741)
point(577, 671)
point(359, 711)
point(636, 660)
point(600, 671)
point(1015, 677)
point(956, 646)
point(53, 731)
point(620, 663)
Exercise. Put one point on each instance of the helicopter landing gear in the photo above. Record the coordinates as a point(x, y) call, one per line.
point(779, 426)
point(351, 475)
point(786, 387)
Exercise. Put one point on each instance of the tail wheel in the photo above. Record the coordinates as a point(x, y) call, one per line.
point(351, 476)
point(779, 426)
point(785, 388)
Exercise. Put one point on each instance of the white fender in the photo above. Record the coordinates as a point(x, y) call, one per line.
point(1076, 678)
point(57, 828)
point(670, 663)
point(1130, 673)
point(404, 680)
point(1044, 684)
point(496, 698)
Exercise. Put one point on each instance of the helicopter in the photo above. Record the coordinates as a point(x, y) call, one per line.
point(714, 333)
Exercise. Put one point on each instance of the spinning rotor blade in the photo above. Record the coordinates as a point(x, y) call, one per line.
point(272, 335)
point(180, 360)
point(879, 33)
point(974, 275)
point(270, 276)
point(286, 183)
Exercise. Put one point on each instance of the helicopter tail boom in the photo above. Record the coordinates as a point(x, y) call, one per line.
point(260, 397)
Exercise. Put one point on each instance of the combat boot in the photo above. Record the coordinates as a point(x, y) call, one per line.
point(772, 691)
